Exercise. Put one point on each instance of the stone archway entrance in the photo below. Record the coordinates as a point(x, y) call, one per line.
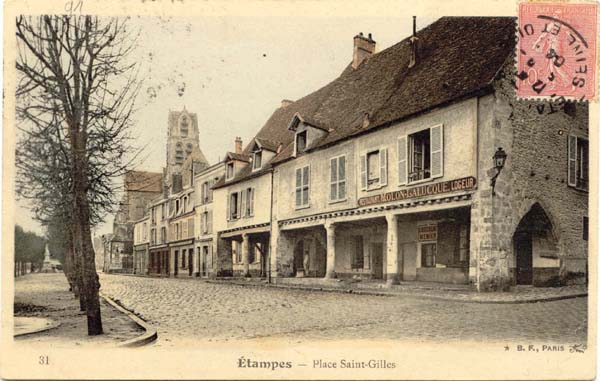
point(535, 250)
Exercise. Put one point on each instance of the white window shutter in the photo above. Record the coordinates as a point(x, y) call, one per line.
point(363, 172)
point(402, 167)
point(252, 201)
point(228, 207)
point(383, 167)
point(436, 135)
point(572, 175)
point(243, 204)
point(333, 175)
point(239, 204)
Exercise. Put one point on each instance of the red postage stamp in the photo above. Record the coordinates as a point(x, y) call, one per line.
point(556, 56)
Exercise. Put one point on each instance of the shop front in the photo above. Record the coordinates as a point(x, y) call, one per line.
point(248, 249)
point(140, 259)
point(182, 258)
point(159, 261)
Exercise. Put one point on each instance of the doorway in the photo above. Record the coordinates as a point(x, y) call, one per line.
point(176, 262)
point(298, 256)
point(524, 256)
point(377, 255)
point(190, 262)
point(204, 260)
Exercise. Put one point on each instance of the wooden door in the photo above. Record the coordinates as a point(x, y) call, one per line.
point(524, 254)
point(377, 259)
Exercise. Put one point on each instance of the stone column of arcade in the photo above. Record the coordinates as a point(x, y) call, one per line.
point(330, 270)
point(246, 254)
point(392, 258)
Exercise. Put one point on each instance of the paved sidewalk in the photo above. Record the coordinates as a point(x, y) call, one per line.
point(47, 297)
point(30, 325)
point(440, 291)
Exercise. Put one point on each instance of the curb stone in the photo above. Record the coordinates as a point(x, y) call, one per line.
point(52, 325)
point(144, 339)
point(378, 293)
point(405, 294)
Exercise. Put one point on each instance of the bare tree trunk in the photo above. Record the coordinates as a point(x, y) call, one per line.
point(89, 277)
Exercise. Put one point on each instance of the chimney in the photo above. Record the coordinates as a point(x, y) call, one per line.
point(414, 45)
point(238, 145)
point(364, 47)
point(285, 103)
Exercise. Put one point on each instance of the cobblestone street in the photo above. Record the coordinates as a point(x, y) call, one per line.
point(190, 309)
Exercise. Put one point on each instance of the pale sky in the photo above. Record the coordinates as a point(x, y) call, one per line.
point(233, 72)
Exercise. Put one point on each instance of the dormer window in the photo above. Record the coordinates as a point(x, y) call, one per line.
point(229, 171)
point(257, 160)
point(301, 141)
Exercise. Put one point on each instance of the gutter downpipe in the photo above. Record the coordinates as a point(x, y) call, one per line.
point(270, 231)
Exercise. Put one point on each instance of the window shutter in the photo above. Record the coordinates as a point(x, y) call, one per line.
point(242, 211)
point(228, 207)
point(251, 201)
point(383, 167)
point(363, 172)
point(402, 168)
point(436, 135)
point(239, 204)
point(298, 186)
point(333, 175)
point(209, 223)
point(572, 175)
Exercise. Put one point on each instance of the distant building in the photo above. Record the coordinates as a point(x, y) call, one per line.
point(140, 188)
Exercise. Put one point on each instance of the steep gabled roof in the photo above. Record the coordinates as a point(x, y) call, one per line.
point(267, 144)
point(238, 157)
point(142, 181)
point(457, 57)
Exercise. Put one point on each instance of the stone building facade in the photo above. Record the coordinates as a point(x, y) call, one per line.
point(140, 188)
point(205, 259)
point(417, 163)
point(391, 172)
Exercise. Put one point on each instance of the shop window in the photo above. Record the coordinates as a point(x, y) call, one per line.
point(229, 171)
point(337, 173)
point(183, 258)
point(300, 142)
point(358, 256)
point(428, 251)
point(302, 186)
point(463, 244)
point(578, 175)
point(373, 168)
point(420, 155)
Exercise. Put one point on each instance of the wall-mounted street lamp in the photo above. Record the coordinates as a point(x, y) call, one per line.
point(499, 160)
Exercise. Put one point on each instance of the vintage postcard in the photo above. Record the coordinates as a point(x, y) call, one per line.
point(300, 190)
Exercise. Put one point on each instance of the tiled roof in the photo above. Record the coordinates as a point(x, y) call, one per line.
point(238, 156)
point(268, 144)
point(141, 181)
point(457, 57)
